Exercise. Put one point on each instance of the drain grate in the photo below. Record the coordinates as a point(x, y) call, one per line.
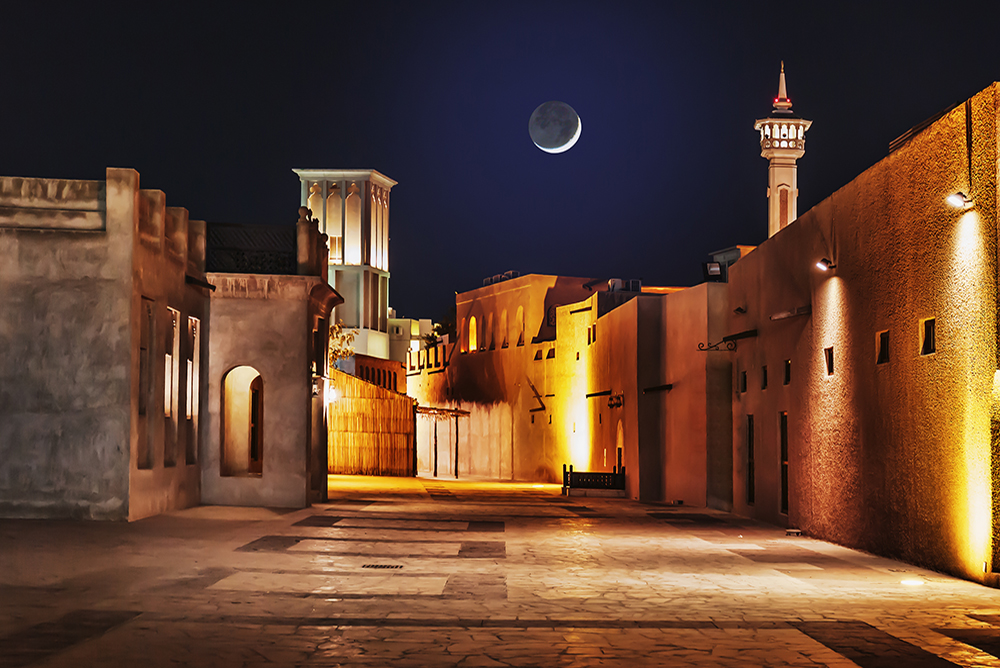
point(381, 566)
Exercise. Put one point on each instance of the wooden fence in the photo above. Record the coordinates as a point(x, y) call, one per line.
point(371, 429)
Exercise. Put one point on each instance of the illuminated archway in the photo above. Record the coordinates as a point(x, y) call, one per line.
point(242, 422)
point(473, 335)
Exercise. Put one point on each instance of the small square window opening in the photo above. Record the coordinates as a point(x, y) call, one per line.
point(928, 344)
point(882, 347)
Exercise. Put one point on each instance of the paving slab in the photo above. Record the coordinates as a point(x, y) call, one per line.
point(415, 572)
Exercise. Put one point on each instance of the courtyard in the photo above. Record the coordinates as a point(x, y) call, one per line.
point(428, 572)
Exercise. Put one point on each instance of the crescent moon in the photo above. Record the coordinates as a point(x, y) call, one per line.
point(568, 145)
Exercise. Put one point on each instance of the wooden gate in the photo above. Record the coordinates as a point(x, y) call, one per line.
point(371, 429)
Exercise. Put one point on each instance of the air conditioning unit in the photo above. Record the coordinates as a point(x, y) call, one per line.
point(634, 285)
point(507, 275)
point(614, 284)
point(487, 281)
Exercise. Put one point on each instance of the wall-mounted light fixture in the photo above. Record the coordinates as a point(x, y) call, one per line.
point(960, 200)
point(825, 264)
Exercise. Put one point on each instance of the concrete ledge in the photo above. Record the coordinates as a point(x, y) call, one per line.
point(582, 491)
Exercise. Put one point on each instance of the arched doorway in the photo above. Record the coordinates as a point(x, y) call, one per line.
point(242, 423)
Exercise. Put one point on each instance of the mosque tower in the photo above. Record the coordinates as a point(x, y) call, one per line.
point(782, 141)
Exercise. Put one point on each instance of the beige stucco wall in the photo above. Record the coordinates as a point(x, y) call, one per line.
point(891, 458)
point(167, 247)
point(64, 329)
point(72, 279)
point(263, 321)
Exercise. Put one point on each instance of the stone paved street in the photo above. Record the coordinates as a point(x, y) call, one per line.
point(416, 572)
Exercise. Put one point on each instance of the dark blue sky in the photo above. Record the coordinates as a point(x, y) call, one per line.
point(216, 106)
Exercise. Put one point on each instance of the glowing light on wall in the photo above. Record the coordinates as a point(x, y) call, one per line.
point(971, 507)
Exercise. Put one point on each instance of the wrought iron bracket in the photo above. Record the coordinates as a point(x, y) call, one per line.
point(708, 347)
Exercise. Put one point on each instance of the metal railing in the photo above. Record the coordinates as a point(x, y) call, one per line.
point(594, 479)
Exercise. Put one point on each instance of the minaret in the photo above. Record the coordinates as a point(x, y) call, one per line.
point(782, 141)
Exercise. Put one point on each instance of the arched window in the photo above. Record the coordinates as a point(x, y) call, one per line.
point(242, 423)
point(333, 224)
point(801, 131)
point(489, 339)
point(352, 226)
point(503, 329)
point(473, 335)
point(767, 131)
point(463, 340)
point(373, 245)
point(519, 324)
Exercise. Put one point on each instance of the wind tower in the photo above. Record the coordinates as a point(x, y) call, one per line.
point(782, 141)
point(352, 207)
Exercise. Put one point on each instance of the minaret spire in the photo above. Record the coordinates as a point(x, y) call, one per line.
point(782, 103)
point(782, 142)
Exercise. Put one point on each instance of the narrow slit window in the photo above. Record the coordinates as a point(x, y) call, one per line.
point(928, 344)
point(743, 381)
point(788, 372)
point(828, 356)
point(751, 477)
point(783, 426)
point(882, 343)
point(763, 377)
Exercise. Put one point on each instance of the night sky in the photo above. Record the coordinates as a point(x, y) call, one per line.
point(216, 106)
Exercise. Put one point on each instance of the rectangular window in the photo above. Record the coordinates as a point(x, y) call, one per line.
point(828, 355)
point(147, 330)
point(743, 381)
point(751, 477)
point(788, 372)
point(763, 377)
point(784, 461)
point(193, 385)
point(928, 345)
point(171, 389)
point(882, 347)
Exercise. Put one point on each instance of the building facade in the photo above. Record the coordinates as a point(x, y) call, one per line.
point(551, 371)
point(866, 405)
point(103, 324)
point(352, 207)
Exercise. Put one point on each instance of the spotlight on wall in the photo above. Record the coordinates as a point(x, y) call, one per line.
point(713, 271)
point(825, 264)
point(960, 200)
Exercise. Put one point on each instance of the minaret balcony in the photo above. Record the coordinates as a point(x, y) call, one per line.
point(792, 144)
